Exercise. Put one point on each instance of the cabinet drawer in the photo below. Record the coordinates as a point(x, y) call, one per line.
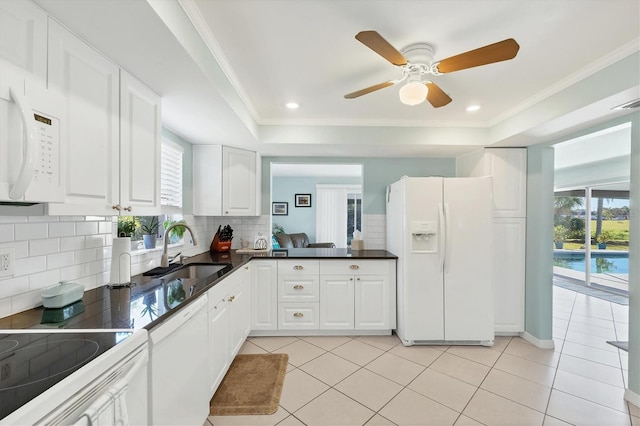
point(298, 267)
point(353, 267)
point(298, 289)
point(301, 316)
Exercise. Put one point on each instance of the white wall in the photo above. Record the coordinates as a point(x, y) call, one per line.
point(78, 248)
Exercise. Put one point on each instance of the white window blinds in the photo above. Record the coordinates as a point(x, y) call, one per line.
point(171, 177)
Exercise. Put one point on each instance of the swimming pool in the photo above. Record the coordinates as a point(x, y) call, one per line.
point(610, 262)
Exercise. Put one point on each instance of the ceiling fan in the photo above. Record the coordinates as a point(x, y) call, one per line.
point(420, 62)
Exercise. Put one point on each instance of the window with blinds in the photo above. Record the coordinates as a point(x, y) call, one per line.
point(171, 177)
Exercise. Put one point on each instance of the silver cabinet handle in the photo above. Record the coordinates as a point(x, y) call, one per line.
point(298, 315)
point(232, 298)
point(298, 287)
point(116, 207)
point(127, 209)
point(298, 268)
point(354, 267)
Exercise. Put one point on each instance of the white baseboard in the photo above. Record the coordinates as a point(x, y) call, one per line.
point(632, 397)
point(542, 344)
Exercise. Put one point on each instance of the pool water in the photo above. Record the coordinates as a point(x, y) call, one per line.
point(609, 263)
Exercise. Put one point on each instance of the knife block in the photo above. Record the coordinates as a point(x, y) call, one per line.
point(219, 246)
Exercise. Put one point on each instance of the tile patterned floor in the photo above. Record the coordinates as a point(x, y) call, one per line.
point(377, 381)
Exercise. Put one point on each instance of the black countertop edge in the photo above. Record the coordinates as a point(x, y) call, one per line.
point(102, 305)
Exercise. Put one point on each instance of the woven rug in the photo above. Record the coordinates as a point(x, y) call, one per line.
point(252, 385)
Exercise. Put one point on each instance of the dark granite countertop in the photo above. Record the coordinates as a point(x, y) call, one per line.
point(148, 303)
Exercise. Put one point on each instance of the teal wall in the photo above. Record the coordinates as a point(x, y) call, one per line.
point(302, 219)
point(187, 167)
point(539, 256)
point(377, 174)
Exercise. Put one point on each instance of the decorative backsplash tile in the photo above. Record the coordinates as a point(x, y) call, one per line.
point(49, 249)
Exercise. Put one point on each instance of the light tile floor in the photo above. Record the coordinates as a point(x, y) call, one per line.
point(377, 381)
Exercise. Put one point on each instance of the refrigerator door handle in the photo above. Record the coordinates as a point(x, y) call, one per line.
point(442, 241)
point(447, 243)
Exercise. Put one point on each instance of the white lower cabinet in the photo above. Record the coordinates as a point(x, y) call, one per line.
point(229, 323)
point(337, 302)
point(358, 294)
point(264, 294)
point(298, 316)
point(509, 244)
point(323, 296)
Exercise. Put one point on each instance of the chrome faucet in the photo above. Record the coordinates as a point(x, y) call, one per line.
point(164, 262)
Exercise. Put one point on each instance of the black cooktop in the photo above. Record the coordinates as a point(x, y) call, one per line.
point(31, 363)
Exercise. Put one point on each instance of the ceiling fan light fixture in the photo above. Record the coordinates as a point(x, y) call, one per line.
point(413, 93)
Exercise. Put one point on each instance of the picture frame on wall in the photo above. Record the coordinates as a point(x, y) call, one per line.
point(303, 200)
point(279, 208)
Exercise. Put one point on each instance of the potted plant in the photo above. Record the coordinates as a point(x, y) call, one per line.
point(603, 239)
point(149, 226)
point(176, 233)
point(559, 235)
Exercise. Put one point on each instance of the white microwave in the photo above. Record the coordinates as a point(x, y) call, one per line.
point(30, 143)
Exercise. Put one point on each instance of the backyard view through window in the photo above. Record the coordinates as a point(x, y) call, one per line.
point(608, 242)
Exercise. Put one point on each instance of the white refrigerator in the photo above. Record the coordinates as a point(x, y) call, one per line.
point(440, 229)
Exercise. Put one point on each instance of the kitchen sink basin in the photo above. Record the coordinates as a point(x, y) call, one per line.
point(196, 271)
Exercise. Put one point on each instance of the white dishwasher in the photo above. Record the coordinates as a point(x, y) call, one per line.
point(179, 379)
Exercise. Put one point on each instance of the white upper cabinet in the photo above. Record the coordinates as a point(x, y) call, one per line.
point(225, 181)
point(90, 84)
point(23, 40)
point(238, 182)
point(140, 129)
point(508, 167)
point(112, 138)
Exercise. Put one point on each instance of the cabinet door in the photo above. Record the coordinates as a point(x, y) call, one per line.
point(239, 317)
point(372, 302)
point(23, 43)
point(264, 294)
point(218, 343)
point(509, 238)
point(336, 302)
point(207, 180)
point(239, 182)
point(139, 148)
point(508, 167)
point(90, 153)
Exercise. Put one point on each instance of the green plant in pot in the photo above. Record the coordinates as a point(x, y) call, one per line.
point(149, 226)
point(128, 226)
point(602, 239)
point(176, 233)
point(559, 235)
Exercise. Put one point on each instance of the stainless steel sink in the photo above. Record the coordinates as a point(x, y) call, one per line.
point(195, 271)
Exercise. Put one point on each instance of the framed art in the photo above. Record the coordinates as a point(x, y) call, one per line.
point(279, 208)
point(303, 200)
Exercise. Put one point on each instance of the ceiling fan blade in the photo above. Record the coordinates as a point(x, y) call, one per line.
point(496, 52)
point(375, 42)
point(369, 89)
point(436, 96)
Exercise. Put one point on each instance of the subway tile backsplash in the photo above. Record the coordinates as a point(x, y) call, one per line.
point(50, 249)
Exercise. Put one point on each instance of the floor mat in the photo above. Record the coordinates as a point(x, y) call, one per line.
point(252, 385)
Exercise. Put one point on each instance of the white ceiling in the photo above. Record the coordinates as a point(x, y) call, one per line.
point(226, 68)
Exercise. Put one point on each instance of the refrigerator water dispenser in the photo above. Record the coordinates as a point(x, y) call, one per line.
point(424, 237)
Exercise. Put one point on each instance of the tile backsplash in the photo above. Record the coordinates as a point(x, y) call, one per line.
point(49, 249)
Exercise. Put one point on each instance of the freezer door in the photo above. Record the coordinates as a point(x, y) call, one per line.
point(420, 308)
point(468, 299)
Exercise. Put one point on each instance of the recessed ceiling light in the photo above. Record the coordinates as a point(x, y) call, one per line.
point(292, 105)
point(473, 108)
